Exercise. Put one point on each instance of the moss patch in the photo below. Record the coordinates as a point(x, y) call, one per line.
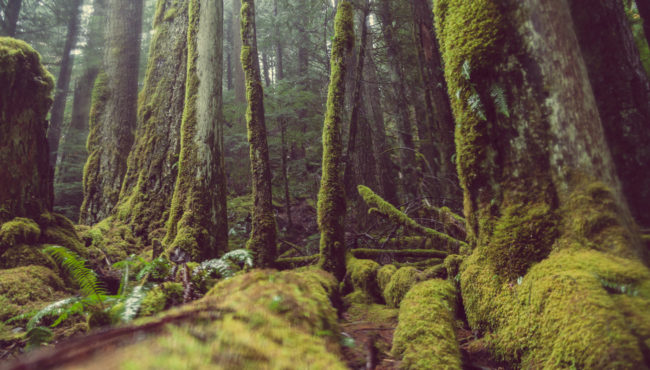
point(384, 274)
point(425, 337)
point(363, 275)
point(18, 231)
point(399, 284)
point(161, 298)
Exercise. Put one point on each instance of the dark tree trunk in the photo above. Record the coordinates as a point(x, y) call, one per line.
point(198, 221)
point(265, 65)
point(230, 36)
point(262, 240)
point(113, 115)
point(11, 12)
point(154, 160)
point(644, 12)
point(63, 83)
point(238, 72)
point(622, 92)
point(279, 55)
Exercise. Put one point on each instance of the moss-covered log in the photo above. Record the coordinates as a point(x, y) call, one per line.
point(331, 196)
point(198, 222)
point(400, 283)
point(425, 337)
point(400, 218)
point(153, 162)
point(262, 240)
point(113, 111)
point(263, 319)
point(294, 262)
point(25, 98)
point(398, 253)
point(553, 245)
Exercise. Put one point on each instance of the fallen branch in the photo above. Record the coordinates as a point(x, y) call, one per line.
point(367, 253)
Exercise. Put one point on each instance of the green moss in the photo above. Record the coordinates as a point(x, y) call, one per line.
point(18, 231)
point(331, 195)
point(399, 284)
point(363, 275)
point(452, 264)
point(161, 298)
point(109, 239)
point(438, 271)
point(373, 313)
point(384, 274)
point(425, 337)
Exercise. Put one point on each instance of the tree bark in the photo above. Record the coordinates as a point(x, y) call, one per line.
point(622, 92)
point(153, 162)
point(63, 83)
point(238, 72)
point(545, 214)
point(198, 221)
point(262, 240)
point(113, 115)
point(331, 196)
point(644, 12)
point(11, 13)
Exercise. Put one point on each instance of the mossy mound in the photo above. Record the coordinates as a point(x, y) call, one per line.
point(161, 298)
point(18, 231)
point(110, 239)
point(363, 276)
point(384, 274)
point(584, 309)
point(58, 230)
point(399, 284)
point(425, 337)
point(27, 288)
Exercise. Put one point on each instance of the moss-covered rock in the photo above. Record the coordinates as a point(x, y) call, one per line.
point(425, 337)
point(399, 284)
point(18, 231)
point(110, 239)
point(25, 98)
point(161, 298)
point(384, 274)
point(363, 275)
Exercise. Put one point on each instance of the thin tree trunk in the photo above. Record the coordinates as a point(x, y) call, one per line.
point(265, 65)
point(285, 171)
point(12, 11)
point(262, 240)
point(622, 92)
point(63, 83)
point(279, 55)
point(239, 79)
point(331, 196)
point(198, 221)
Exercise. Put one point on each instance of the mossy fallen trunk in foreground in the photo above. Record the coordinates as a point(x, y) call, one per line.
point(262, 319)
point(331, 196)
point(198, 223)
point(556, 275)
point(262, 240)
point(153, 161)
point(25, 98)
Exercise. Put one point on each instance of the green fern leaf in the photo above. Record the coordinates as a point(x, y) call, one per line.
point(132, 303)
point(76, 266)
point(500, 102)
point(476, 105)
point(466, 70)
point(57, 308)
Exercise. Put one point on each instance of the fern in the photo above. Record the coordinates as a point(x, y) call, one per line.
point(499, 97)
point(76, 266)
point(132, 303)
point(58, 308)
point(476, 105)
point(224, 265)
point(37, 336)
point(466, 70)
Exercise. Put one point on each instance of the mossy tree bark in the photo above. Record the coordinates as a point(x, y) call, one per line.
point(63, 82)
point(10, 21)
point(154, 159)
point(198, 223)
point(238, 73)
point(550, 228)
point(622, 92)
point(113, 114)
point(331, 196)
point(262, 240)
point(25, 174)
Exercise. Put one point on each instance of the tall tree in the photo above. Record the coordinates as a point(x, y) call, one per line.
point(644, 12)
point(113, 112)
point(331, 196)
point(63, 82)
point(238, 72)
point(262, 240)
point(544, 209)
point(622, 92)
point(198, 223)
point(9, 20)
point(153, 161)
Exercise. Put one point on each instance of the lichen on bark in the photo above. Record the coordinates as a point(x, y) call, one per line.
point(331, 196)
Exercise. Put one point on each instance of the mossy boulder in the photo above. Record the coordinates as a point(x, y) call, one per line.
point(161, 298)
point(425, 337)
point(362, 275)
point(25, 97)
point(399, 284)
point(18, 231)
point(384, 274)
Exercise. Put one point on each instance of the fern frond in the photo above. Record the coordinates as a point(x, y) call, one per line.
point(132, 303)
point(38, 335)
point(219, 266)
point(476, 105)
point(466, 70)
point(499, 97)
point(240, 256)
point(76, 266)
point(57, 308)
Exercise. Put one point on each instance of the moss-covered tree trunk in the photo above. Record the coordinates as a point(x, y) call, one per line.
point(262, 240)
point(331, 196)
point(238, 73)
point(622, 92)
point(198, 223)
point(63, 82)
point(154, 159)
point(555, 273)
point(25, 173)
point(113, 112)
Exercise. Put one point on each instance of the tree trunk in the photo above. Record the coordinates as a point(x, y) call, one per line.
point(198, 221)
point(11, 13)
point(279, 55)
point(439, 118)
point(113, 112)
point(545, 214)
point(154, 160)
point(63, 83)
point(622, 92)
point(644, 12)
point(262, 240)
point(239, 82)
point(25, 174)
point(331, 196)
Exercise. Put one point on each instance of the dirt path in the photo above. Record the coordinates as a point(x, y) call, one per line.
point(371, 339)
